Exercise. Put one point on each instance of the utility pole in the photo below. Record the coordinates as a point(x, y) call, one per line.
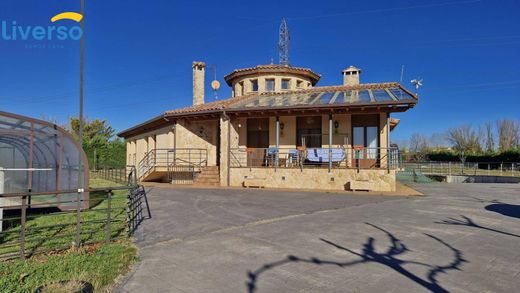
point(81, 183)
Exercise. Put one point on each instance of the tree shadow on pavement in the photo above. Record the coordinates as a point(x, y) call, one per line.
point(505, 209)
point(465, 221)
point(368, 254)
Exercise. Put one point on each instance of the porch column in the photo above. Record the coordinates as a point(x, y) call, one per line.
point(174, 142)
point(330, 142)
point(388, 150)
point(277, 140)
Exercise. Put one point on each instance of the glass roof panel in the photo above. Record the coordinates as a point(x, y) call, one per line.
point(323, 98)
point(381, 96)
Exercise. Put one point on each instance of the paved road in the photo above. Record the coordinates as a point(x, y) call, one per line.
point(457, 238)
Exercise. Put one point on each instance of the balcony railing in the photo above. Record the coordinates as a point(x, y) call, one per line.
point(337, 157)
point(190, 158)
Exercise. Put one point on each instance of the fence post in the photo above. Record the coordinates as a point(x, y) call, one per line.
point(22, 228)
point(501, 170)
point(489, 169)
point(109, 219)
point(449, 168)
point(78, 220)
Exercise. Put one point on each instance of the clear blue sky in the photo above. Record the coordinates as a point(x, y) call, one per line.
point(139, 54)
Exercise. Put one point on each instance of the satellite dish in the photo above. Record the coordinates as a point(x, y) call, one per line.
point(215, 85)
point(417, 83)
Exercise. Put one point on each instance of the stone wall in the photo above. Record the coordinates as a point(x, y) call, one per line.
point(315, 178)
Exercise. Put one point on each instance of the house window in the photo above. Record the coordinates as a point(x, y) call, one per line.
point(299, 83)
point(242, 88)
point(285, 84)
point(269, 84)
point(254, 85)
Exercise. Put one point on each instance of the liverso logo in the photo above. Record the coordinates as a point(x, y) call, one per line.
point(13, 31)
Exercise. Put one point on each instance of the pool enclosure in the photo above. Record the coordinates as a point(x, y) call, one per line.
point(40, 157)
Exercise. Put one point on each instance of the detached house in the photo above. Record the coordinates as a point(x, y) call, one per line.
point(278, 130)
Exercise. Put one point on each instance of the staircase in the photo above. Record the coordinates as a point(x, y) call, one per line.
point(208, 176)
point(178, 166)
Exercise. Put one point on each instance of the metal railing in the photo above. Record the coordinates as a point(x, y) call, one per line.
point(171, 158)
point(468, 168)
point(338, 157)
point(39, 222)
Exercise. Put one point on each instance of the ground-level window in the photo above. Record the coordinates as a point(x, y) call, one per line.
point(308, 131)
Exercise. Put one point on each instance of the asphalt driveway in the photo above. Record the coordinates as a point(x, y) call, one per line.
point(456, 238)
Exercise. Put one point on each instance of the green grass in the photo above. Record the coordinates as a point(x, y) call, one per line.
point(100, 267)
point(93, 228)
point(99, 264)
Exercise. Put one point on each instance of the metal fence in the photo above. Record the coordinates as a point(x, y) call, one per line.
point(125, 175)
point(34, 223)
point(468, 168)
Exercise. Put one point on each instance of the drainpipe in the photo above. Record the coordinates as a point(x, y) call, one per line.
point(330, 142)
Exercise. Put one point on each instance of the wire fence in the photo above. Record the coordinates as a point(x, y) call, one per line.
point(35, 223)
point(469, 168)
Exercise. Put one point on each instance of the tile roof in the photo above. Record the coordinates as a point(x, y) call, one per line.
point(272, 68)
point(326, 96)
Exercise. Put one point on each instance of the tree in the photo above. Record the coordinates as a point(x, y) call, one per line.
point(464, 141)
point(508, 134)
point(487, 138)
point(102, 149)
point(92, 129)
point(418, 147)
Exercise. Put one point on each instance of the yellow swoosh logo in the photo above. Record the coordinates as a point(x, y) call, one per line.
point(67, 15)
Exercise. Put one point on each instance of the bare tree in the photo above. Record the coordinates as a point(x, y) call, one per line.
point(487, 138)
point(464, 141)
point(508, 134)
point(418, 146)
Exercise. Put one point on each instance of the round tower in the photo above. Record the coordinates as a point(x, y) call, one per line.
point(270, 78)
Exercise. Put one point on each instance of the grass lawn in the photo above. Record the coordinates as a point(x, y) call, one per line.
point(97, 263)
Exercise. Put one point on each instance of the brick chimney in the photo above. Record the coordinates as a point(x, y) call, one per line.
point(198, 82)
point(351, 75)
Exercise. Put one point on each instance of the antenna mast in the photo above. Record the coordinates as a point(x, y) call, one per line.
point(283, 43)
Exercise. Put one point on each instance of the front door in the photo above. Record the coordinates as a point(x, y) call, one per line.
point(366, 137)
point(257, 141)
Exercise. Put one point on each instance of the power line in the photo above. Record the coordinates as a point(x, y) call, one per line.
point(385, 9)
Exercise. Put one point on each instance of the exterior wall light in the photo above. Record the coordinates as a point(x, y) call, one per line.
point(336, 126)
point(282, 125)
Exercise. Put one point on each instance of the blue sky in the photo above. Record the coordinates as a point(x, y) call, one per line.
point(139, 54)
